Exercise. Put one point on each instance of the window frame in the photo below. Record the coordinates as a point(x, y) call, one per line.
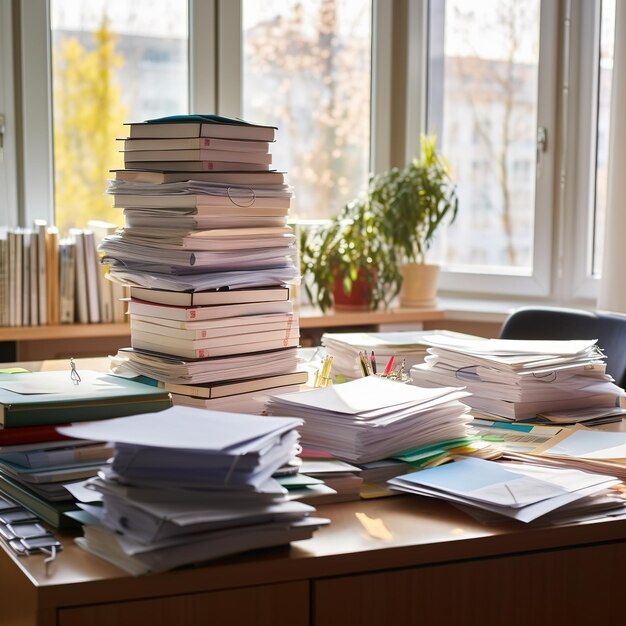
point(539, 283)
point(568, 75)
point(8, 160)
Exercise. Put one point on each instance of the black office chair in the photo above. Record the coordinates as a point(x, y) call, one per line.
point(560, 323)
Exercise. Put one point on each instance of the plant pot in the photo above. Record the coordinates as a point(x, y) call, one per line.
point(359, 298)
point(419, 285)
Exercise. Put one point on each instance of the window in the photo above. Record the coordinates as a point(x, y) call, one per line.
point(349, 83)
point(307, 69)
point(487, 81)
point(111, 62)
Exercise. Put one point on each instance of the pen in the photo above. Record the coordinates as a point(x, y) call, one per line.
point(389, 366)
point(373, 362)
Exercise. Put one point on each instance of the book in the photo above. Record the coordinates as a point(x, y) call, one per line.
point(207, 312)
point(234, 387)
point(67, 280)
point(68, 453)
point(101, 230)
point(213, 339)
point(199, 298)
point(80, 287)
point(42, 273)
point(201, 126)
point(52, 250)
point(172, 369)
point(33, 280)
point(221, 156)
point(38, 398)
point(93, 277)
point(25, 295)
point(191, 201)
point(263, 177)
point(222, 330)
point(30, 434)
point(251, 402)
point(195, 143)
point(221, 324)
point(52, 513)
point(157, 347)
point(199, 166)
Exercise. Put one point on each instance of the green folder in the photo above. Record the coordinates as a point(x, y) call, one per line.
point(43, 398)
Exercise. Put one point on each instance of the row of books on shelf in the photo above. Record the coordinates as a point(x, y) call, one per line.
point(46, 279)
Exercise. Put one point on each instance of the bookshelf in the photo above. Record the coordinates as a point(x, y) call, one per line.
point(33, 343)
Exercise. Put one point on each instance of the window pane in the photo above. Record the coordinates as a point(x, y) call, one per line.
point(307, 71)
point(605, 79)
point(112, 61)
point(483, 107)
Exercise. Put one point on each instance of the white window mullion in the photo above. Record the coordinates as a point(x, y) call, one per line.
point(382, 106)
point(36, 166)
point(229, 58)
point(202, 56)
point(578, 171)
point(8, 169)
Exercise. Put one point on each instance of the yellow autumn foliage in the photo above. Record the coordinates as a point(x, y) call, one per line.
point(88, 116)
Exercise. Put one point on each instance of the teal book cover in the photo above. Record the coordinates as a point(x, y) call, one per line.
point(40, 398)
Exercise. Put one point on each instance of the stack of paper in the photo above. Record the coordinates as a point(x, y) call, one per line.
point(345, 349)
point(208, 260)
point(517, 491)
point(518, 379)
point(187, 485)
point(372, 418)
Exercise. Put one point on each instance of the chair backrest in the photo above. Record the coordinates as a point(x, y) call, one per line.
point(560, 323)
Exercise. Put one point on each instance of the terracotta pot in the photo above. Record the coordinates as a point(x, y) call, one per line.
point(419, 285)
point(359, 297)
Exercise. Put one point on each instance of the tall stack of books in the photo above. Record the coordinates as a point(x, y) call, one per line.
point(208, 254)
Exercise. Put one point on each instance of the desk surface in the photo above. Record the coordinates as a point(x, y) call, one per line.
point(400, 534)
point(389, 543)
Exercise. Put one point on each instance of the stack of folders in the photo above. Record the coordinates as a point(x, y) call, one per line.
point(208, 254)
point(518, 379)
point(36, 462)
point(493, 491)
point(372, 418)
point(188, 485)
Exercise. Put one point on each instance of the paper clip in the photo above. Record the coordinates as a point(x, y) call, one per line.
point(74, 375)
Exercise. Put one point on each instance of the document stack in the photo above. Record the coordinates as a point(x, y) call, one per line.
point(188, 485)
point(36, 463)
point(512, 490)
point(208, 255)
point(518, 379)
point(372, 418)
point(404, 346)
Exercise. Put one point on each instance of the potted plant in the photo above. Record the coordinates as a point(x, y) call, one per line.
point(376, 246)
point(412, 203)
point(346, 262)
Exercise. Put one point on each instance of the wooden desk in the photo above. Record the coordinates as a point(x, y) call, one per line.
point(431, 565)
